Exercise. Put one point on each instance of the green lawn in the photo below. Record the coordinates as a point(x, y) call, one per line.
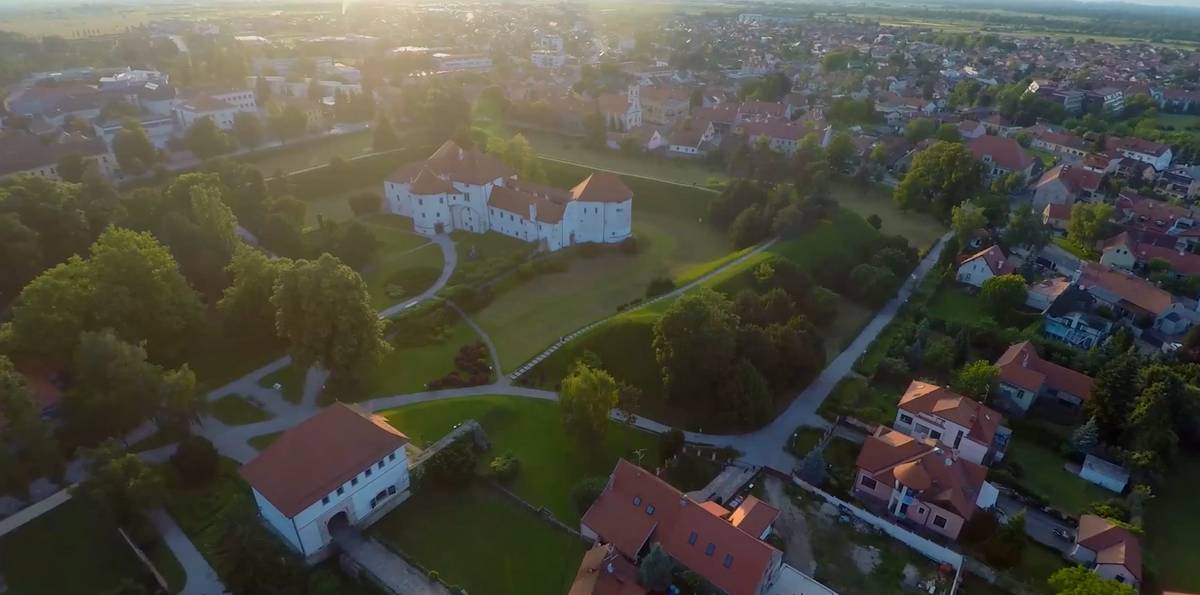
point(408, 368)
point(218, 358)
point(1065, 244)
point(551, 460)
point(290, 378)
point(71, 549)
point(563, 148)
point(921, 229)
point(1178, 121)
point(484, 257)
point(314, 153)
point(1042, 472)
point(854, 396)
point(526, 318)
point(261, 442)
point(479, 539)
point(950, 304)
point(405, 264)
point(236, 410)
point(1173, 527)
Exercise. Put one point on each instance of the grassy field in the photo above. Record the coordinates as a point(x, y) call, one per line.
point(408, 368)
point(506, 549)
point(950, 304)
point(261, 442)
point(671, 240)
point(563, 148)
point(71, 549)
point(290, 378)
point(1173, 528)
point(1042, 471)
point(405, 264)
point(1178, 121)
point(921, 229)
point(236, 410)
point(856, 397)
point(313, 154)
point(551, 460)
point(217, 357)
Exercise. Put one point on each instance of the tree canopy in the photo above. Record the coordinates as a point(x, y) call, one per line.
point(941, 177)
point(586, 397)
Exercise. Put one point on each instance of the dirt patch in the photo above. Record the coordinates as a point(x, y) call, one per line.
point(792, 526)
point(865, 558)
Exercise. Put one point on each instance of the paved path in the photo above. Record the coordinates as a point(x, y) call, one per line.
point(384, 565)
point(501, 379)
point(765, 446)
point(201, 578)
point(33, 511)
point(537, 359)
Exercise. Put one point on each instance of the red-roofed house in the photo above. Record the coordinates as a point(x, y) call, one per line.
point(1126, 251)
point(920, 482)
point(1066, 184)
point(637, 509)
point(983, 265)
point(1136, 299)
point(1113, 552)
point(1026, 377)
point(1001, 156)
point(972, 430)
point(342, 465)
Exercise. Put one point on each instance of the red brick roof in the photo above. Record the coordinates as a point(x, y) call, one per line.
point(312, 459)
point(602, 187)
point(1021, 366)
point(938, 475)
point(981, 421)
point(427, 183)
point(995, 259)
point(1134, 290)
point(1005, 152)
point(754, 516)
point(605, 572)
point(1077, 179)
point(1112, 544)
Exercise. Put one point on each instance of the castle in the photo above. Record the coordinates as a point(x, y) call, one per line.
point(468, 190)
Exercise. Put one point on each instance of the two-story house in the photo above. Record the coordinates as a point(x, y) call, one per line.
point(1025, 377)
point(972, 430)
point(1111, 551)
point(1143, 304)
point(1066, 185)
point(1072, 319)
point(1001, 156)
point(983, 265)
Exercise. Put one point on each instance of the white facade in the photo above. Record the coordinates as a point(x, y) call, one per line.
point(362, 500)
point(948, 433)
point(547, 59)
point(1107, 475)
point(458, 62)
point(975, 272)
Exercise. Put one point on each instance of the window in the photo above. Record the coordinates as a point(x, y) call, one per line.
point(392, 457)
point(368, 471)
point(709, 549)
point(380, 465)
point(325, 500)
point(650, 509)
point(903, 508)
point(637, 500)
point(728, 561)
point(354, 482)
point(935, 434)
point(391, 490)
point(939, 521)
point(692, 538)
point(905, 418)
point(341, 491)
point(868, 482)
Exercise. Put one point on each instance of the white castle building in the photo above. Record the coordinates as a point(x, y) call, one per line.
point(457, 189)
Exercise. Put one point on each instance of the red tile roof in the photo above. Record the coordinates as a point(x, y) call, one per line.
point(995, 259)
point(1021, 366)
point(1182, 262)
point(1076, 179)
point(427, 183)
point(1112, 544)
point(981, 421)
point(602, 187)
point(313, 458)
point(636, 508)
point(1133, 290)
point(754, 516)
point(938, 475)
point(1005, 152)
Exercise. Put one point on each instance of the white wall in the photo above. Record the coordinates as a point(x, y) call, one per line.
point(975, 272)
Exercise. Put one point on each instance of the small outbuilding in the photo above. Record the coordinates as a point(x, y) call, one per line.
point(1109, 476)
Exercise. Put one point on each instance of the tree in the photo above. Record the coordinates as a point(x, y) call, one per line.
point(840, 151)
point(70, 168)
point(247, 129)
point(1087, 223)
point(872, 284)
point(656, 569)
point(1077, 580)
point(288, 123)
point(196, 461)
point(1003, 294)
point(812, 468)
point(1085, 438)
point(119, 482)
point(875, 221)
point(595, 129)
point(133, 149)
point(1026, 228)
point(26, 435)
point(965, 220)
point(362, 203)
point(942, 176)
point(262, 90)
point(745, 397)
point(324, 313)
point(1005, 547)
point(750, 227)
point(919, 129)
point(585, 492)
point(1115, 388)
point(586, 397)
point(695, 342)
point(453, 465)
point(114, 388)
point(205, 140)
point(384, 136)
point(948, 133)
point(977, 380)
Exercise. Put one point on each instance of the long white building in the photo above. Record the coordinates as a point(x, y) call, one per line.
point(457, 189)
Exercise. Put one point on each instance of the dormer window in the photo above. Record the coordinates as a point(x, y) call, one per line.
point(637, 500)
point(728, 561)
point(650, 509)
point(710, 549)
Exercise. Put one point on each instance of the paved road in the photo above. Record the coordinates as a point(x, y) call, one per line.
point(384, 565)
point(201, 578)
point(1038, 525)
point(765, 446)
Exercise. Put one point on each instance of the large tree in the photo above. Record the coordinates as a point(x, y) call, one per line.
point(324, 313)
point(383, 134)
point(965, 220)
point(287, 123)
point(1078, 580)
point(942, 176)
point(120, 483)
point(1003, 294)
point(114, 388)
point(586, 397)
point(1088, 222)
point(246, 304)
point(133, 149)
point(26, 437)
point(247, 129)
point(205, 140)
point(977, 380)
point(695, 343)
point(1026, 228)
point(1112, 399)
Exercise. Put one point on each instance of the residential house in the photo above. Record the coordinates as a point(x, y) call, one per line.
point(1156, 155)
point(1129, 252)
point(621, 111)
point(459, 189)
point(1065, 145)
point(446, 62)
point(1111, 551)
point(1067, 184)
point(1057, 216)
point(1141, 303)
point(897, 110)
point(1179, 182)
point(1041, 294)
point(27, 154)
point(220, 107)
point(547, 59)
point(637, 510)
point(340, 467)
point(1025, 377)
point(1001, 156)
point(921, 483)
point(970, 129)
point(972, 430)
point(1072, 318)
point(1146, 215)
point(983, 265)
point(998, 125)
point(665, 106)
point(1107, 99)
point(782, 136)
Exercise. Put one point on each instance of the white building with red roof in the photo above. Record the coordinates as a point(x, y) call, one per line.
point(468, 190)
point(972, 430)
point(1112, 551)
point(1001, 156)
point(340, 466)
point(983, 265)
point(1025, 377)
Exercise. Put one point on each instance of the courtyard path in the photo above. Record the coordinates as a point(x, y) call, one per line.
point(201, 578)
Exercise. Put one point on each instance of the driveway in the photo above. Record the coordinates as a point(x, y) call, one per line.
point(1038, 525)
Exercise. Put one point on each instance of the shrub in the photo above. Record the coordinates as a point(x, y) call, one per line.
point(504, 467)
point(585, 492)
point(470, 299)
point(659, 286)
point(434, 576)
point(670, 443)
point(196, 461)
point(454, 465)
point(630, 246)
point(364, 203)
